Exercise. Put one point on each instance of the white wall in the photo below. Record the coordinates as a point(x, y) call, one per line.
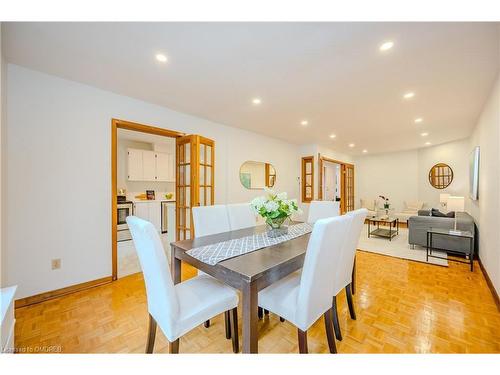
point(58, 174)
point(403, 176)
point(393, 175)
point(3, 81)
point(456, 155)
point(486, 210)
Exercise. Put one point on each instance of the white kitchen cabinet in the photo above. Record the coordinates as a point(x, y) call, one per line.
point(150, 211)
point(165, 167)
point(141, 209)
point(145, 165)
point(149, 166)
point(135, 165)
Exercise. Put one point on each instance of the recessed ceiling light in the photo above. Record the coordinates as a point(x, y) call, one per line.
point(386, 46)
point(161, 57)
point(409, 95)
point(418, 120)
point(351, 145)
point(256, 101)
point(332, 136)
point(424, 134)
point(365, 151)
point(304, 123)
point(427, 143)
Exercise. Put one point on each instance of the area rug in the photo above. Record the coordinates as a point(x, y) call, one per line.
point(398, 247)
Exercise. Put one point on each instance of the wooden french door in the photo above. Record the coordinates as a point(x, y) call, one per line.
point(346, 183)
point(195, 156)
point(348, 188)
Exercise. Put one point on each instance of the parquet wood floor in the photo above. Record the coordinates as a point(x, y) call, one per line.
point(402, 307)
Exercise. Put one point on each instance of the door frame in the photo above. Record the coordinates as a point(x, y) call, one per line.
point(134, 126)
point(343, 166)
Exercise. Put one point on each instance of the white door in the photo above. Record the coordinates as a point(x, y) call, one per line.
point(162, 166)
point(149, 166)
point(134, 165)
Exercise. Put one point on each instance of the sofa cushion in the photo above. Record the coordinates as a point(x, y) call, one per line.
point(369, 204)
point(437, 213)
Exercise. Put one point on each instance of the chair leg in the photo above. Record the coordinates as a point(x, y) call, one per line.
point(227, 323)
point(302, 341)
point(282, 319)
point(329, 331)
point(151, 335)
point(173, 347)
point(260, 313)
point(234, 332)
point(266, 312)
point(207, 323)
point(353, 282)
point(349, 302)
point(335, 314)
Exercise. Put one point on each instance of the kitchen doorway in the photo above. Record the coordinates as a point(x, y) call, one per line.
point(140, 169)
point(336, 182)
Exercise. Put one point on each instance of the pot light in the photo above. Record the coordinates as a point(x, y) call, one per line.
point(386, 46)
point(419, 120)
point(365, 151)
point(304, 123)
point(351, 145)
point(332, 136)
point(409, 95)
point(161, 58)
point(427, 143)
point(425, 134)
point(256, 101)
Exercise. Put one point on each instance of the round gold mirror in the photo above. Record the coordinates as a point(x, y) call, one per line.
point(441, 176)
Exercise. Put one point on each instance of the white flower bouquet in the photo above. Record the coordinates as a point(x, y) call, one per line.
point(275, 208)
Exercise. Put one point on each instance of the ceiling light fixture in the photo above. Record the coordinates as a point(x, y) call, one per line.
point(256, 101)
point(427, 143)
point(424, 134)
point(386, 46)
point(409, 95)
point(365, 151)
point(332, 136)
point(419, 120)
point(351, 145)
point(161, 58)
point(304, 123)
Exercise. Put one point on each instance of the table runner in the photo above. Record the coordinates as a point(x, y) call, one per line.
point(215, 253)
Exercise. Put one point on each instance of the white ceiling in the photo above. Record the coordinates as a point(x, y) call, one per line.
point(130, 135)
point(331, 74)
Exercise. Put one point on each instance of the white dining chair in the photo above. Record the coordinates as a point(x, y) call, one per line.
point(208, 220)
point(344, 277)
point(301, 298)
point(177, 309)
point(241, 216)
point(322, 209)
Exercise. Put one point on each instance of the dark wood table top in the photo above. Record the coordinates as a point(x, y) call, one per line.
point(252, 265)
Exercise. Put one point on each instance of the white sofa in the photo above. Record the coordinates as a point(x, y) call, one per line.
point(371, 205)
point(411, 208)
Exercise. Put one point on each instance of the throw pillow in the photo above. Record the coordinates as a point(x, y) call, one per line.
point(437, 213)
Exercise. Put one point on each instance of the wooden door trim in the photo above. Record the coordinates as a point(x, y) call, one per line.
point(134, 126)
point(303, 175)
point(343, 166)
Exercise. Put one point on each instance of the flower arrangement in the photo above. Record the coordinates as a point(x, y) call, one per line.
point(275, 208)
point(386, 202)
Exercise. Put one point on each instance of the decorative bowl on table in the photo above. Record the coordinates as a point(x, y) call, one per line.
point(276, 209)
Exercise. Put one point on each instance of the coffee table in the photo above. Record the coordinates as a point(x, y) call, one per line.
point(389, 229)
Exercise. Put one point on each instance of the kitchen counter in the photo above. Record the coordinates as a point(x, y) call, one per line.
point(157, 200)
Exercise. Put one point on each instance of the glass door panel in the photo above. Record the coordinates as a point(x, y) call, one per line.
point(195, 179)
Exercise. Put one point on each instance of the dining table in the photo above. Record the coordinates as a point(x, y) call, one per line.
point(249, 272)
